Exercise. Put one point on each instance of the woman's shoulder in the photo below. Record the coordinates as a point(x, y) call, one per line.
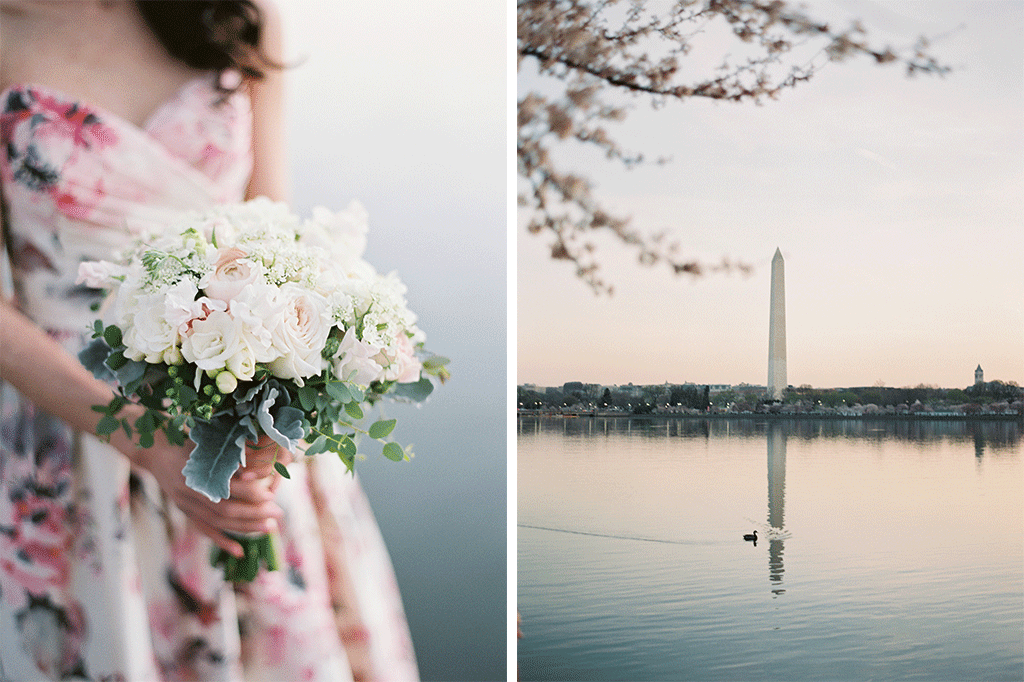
point(90, 51)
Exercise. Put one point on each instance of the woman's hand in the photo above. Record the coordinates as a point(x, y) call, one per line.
point(250, 509)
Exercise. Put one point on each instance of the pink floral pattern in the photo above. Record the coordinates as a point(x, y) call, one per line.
point(100, 578)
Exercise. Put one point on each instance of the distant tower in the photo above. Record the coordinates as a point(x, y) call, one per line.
point(979, 376)
point(777, 383)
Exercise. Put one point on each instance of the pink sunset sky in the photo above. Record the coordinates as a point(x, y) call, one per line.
point(896, 203)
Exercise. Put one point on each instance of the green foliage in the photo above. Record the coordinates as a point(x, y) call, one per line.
point(179, 399)
point(394, 452)
point(382, 429)
point(258, 550)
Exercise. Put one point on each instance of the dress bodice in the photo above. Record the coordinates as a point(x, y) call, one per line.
point(78, 182)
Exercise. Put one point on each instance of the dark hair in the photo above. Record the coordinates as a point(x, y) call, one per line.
point(214, 35)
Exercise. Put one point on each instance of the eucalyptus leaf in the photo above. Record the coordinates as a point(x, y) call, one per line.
point(353, 410)
point(339, 391)
point(317, 446)
point(307, 397)
point(130, 373)
point(116, 360)
point(147, 422)
point(93, 357)
point(382, 428)
point(394, 452)
point(435, 362)
point(107, 425)
point(282, 469)
point(112, 335)
point(347, 446)
point(416, 391)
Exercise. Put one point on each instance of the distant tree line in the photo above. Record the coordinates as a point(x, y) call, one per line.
point(646, 399)
point(982, 394)
point(637, 400)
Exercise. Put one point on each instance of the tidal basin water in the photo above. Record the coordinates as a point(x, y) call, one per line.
point(898, 550)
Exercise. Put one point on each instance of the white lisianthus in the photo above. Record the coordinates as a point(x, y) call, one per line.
point(226, 382)
point(300, 334)
point(242, 364)
point(150, 336)
point(213, 341)
point(355, 361)
point(126, 297)
point(100, 274)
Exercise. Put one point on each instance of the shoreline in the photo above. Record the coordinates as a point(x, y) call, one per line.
point(766, 415)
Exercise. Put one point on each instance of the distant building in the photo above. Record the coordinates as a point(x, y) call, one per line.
point(979, 376)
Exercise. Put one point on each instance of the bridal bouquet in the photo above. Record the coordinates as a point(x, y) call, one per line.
point(244, 323)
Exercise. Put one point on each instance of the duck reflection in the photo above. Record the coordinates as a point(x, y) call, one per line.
point(776, 502)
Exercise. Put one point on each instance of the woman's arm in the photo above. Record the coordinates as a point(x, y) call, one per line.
point(269, 175)
point(56, 382)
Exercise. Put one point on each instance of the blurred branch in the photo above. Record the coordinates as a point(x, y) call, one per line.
point(590, 51)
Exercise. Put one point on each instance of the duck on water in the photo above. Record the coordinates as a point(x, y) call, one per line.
point(751, 536)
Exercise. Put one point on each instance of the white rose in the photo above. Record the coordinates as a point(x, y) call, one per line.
point(354, 360)
point(232, 272)
point(300, 333)
point(213, 341)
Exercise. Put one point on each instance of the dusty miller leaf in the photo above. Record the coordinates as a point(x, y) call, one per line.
point(217, 455)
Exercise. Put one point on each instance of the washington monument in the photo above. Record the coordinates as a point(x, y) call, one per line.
point(777, 330)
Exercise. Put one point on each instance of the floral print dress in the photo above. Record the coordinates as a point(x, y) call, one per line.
point(100, 577)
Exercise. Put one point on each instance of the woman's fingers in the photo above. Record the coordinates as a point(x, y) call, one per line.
point(253, 492)
point(218, 537)
point(231, 515)
point(249, 509)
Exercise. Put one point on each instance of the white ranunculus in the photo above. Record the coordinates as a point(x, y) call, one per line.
point(259, 308)
point(150, 335)
point(300, 333)
point(213, 341)
point(355, 361)
point(181, 306)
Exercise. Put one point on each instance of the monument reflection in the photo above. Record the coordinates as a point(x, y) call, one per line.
point(776, 502)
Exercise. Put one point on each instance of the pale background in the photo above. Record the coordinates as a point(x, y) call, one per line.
point(402, 105)
point(896, 203)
